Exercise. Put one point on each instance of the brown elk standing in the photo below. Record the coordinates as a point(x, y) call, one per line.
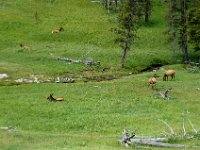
point(51, 98)
point(152, 81)
point(58, 30)
point(169, 73)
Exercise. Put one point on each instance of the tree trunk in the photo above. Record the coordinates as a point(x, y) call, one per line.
point(147, 9)
point(124, 53)
point(116, 3)
point(128, 36)
point(184, 32)
point(104, 4)
point(156, 142)
point(172, 29)
point(110, 6)
point(146, 17)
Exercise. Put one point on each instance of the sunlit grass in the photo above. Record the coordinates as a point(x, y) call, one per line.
point(87, 35)
point(93, 114)
point(100, 109)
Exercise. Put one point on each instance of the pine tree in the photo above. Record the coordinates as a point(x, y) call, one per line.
point(183, 29)
point(194, 25)
point(173, 23)
point(177, 22)
point(129, 21)
point(147, 9)
point(108, 4)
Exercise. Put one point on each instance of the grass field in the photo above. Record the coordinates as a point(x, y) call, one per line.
point(93, 114)
point(87, 35)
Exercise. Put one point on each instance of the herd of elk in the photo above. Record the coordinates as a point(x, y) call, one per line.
point(53, 31)
point(51, 98)
point(152, 81)
point(58, 30)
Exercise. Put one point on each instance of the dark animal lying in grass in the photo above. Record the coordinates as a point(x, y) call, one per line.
point(58, 30)
point(51, 98)
point(169, 73)
point(24, 46)
point(152, 80)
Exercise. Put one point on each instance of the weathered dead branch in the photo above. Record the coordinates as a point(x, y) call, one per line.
point(193, 69)
point(85, 62)
point(127, 139)
point(9, 128)
point(65, 80)
point(183, 125)
point(159, 142)
point(170, 128)
point(195, 131)
point(164, 95)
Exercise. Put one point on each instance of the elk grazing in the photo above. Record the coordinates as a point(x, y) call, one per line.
point(169, 73)
point(152, 81)
point(51, 98)
point(58, 30)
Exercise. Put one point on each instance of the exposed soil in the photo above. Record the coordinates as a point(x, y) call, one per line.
point(88, 75)
point(152, 67)
point(100, 78)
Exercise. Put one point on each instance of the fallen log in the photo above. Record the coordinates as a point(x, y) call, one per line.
point(64, 80)
point(9, 128)
point(193, 70)
point(128, 139)
point(159, 142)
point(164, 94)
point(85, 62)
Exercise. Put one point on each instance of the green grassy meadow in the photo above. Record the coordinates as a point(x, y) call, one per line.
point(93, 114)
point(87, 35)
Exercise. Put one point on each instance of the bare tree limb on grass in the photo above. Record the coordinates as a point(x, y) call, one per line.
point(171, 130)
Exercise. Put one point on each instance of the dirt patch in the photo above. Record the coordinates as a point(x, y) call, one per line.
point(99, 78)
point(152, 67)
point(87, 72)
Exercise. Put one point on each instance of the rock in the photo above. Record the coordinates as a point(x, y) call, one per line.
point(64, 80)
point(3, 75)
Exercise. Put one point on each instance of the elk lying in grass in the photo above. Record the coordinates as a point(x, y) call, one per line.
point(24, 46)
point(58, 30)
point(169, 73)
point(152, 81)
point(51, 98)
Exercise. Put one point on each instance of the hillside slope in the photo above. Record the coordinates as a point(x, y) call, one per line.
point(94, 114)
point(87, 36)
